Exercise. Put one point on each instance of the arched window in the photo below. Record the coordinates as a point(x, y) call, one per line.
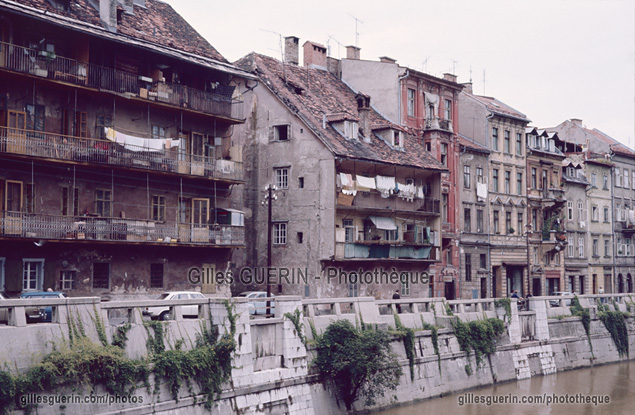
point(620, 283)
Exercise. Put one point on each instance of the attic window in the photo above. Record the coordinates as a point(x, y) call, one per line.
point(281, 132)
point(351, 129)
point(397, 138)
point(64, 5)
point(119, 16)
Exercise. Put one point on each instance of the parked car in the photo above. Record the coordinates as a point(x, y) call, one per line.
point(257, 302)
point(4, 312)
point(556, 303)
point(38, 313)
point(163, 313)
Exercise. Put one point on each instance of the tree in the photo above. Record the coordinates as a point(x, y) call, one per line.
point(359, 362)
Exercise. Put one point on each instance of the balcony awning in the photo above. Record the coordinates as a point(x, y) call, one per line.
point(383, 223)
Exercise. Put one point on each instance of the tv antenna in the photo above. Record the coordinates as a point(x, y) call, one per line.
point(339, 44)
point(356, 31)
point(425, 64)
point(280, 37)
point(454, 66)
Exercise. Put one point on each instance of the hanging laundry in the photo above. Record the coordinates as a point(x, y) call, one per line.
point(385, 185)
point(365, 184)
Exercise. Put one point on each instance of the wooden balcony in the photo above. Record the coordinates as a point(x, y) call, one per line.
point(98, 229)
point(86, 150)
point(57, 68)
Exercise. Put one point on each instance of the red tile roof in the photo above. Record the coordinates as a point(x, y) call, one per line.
point(323, 94)
point(156, 23)
point(581, 135)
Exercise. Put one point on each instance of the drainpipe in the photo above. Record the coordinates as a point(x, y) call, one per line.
point(401, 78)
point(487, 204)
point(613, 227)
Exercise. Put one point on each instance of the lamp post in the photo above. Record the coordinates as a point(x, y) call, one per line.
point(268, 200)
point(529, 227)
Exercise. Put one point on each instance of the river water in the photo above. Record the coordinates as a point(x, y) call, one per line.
point(615, 381)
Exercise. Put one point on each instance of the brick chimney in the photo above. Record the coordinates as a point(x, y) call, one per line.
point(353, 52)
point(449, 77)
point(467, 87)
point(363, 109)
point(108, 14)
point(387, 59)
point(292, 50)
point(314, 55)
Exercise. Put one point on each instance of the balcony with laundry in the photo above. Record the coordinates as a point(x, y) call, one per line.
point(121, 150)
point(382, 237)
point(384, 193)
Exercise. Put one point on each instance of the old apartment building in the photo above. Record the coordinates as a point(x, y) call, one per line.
point(427, 107)
point(501, 130)
point(116, 149)
point(355, 193)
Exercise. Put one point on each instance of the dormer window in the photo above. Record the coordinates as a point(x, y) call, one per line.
point(351, 129)
point(397, 138)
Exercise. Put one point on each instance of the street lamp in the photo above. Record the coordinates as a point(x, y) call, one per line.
point(268, 200)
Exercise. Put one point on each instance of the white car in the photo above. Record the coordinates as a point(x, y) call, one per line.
point(163, 313)
point(556, 303)
point(257, 302)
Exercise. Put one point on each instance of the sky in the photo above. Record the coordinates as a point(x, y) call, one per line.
point(552, 60)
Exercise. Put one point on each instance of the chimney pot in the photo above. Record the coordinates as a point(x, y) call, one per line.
point(467, 87)
point(314, 55)
point(291, 50)
point(353, 52)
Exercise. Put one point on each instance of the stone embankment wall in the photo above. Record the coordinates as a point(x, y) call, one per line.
point(271, 366)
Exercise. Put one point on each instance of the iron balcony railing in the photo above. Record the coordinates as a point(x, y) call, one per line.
point(37, 226)
point(438, 124)
point(62, 147)
point(48, 65)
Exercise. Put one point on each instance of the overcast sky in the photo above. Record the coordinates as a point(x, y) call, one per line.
point(550, 59)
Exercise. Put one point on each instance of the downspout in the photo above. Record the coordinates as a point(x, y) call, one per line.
point(613, 227)
point(487, 204)
point(401, 78)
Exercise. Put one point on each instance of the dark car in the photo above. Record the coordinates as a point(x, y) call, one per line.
point(35, 313)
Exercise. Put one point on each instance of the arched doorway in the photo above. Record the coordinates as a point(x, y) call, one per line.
point(629, 283)
point(620, 283)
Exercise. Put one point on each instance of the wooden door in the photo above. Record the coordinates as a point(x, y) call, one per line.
point(13, 199)
point(198, 154)
point(16, 137)
point(200, 219)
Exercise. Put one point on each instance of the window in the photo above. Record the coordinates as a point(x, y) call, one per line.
point(479, 174)
point(595, 213)
point(570, 246)
point(67, 280)
point(495, 139)
point(428, 146)
point(468, 267)
point(35, 117)
point(596, 248)
point(580, 246)
point(594, 180)
point(547, 259)
point(101, 275)
point(606, 214)
point(280, 233)
point(397, 138)
point(32, 274)
point(633, 179)
point(448, 109)
point(508, 175)
point(519, 144)
point(581, 216)
point(496, 224)
point(411, 102)
point(519, 183)
point(282, 177)
point(507, 144)
point(158, 208)
point(75, 123)
point(405, 287)
point(70, 205)
point(534, 219)
point(103, 203)
point(300, 236)
point(281, 132)
point(444, 207)
point(156, 275)
point(556, 258)
point(353, 289)
point(570, 210)
point(508, 223)
point(618, 212)
point(466, 177)
point(519, 222)
point(467, 219)
point(391, 235)
point(483, 264)
point(479, 220)
point(626, 173)
point(618, 177)
point(158, 132)
point(448, 256)
point(605, 182)
point(444, 154)
point(533, 178)
point(351, 129)
point(495, 180)
point(300, 182)
point(349, 230)
point(101, 123)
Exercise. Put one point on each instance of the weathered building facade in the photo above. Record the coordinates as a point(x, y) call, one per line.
point(501, 129)
point(357, 198)
point(427, 106)
point(117, 154)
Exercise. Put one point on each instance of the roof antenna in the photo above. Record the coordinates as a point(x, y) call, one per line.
point(339, 44)
point(483, 81)
point(356, 31)
point(284, 72)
